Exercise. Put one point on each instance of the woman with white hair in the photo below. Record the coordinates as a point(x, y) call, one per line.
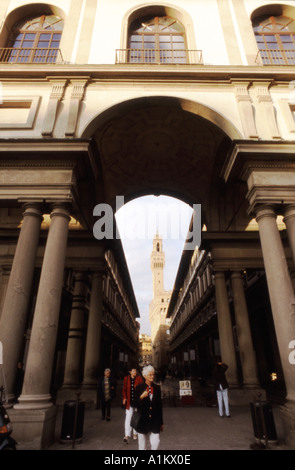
point(149, 402)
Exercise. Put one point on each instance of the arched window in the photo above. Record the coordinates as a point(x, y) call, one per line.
point(157, 40)
point(35, 40)
point(275, 37)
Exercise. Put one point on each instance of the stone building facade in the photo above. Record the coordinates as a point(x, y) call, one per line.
point(145, 350)
point(189, 99)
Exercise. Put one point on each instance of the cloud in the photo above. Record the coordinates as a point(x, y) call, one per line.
point(138, 222)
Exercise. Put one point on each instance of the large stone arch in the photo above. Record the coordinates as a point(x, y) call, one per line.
point(193, 107)
point(164, 145)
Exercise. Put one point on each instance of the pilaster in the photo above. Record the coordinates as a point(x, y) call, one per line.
point(245, 109)
point(268, 121)
point(56, 95)
point(78, 90)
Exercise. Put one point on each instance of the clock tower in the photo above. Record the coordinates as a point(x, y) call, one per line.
point(157, 266)
point(159, 306)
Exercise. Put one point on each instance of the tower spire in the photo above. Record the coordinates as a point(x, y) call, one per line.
point(157, 265)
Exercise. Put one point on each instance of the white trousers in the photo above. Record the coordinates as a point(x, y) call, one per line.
point(222, 397)
point(128, 428)
point(143, 440)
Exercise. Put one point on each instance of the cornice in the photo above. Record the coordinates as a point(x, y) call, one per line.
point(263, 154)
point(44, 145)
point(37, 164)
point(49, 153)
point(22, 72)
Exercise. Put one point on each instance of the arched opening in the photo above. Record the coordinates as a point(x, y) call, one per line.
point(32, 35)
point(274, 29)
point(165, 145)
point(158, 34)
point(168, 146)
point(138, 222)
point(157, 40)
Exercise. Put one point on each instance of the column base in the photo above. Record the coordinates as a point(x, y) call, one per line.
point(36, 427)
point(33, 402)
point(287, 412)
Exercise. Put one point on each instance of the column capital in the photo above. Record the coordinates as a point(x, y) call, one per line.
point(289, 211)
point(58, 87)
point(33, 209)
point(236, 274)
point(61, 209)
point(265, 210)
point(219, 274)
point(81, 276)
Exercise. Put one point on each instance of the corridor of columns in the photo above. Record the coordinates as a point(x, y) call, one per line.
point(69, 308)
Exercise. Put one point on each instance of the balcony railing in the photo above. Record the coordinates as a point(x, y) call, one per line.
point(30, 56)
point(276, 57)
point(158, 56)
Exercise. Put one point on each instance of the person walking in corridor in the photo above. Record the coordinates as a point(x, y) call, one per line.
point(130, 383)
point(221, 387)
point(149, 402)
point(106, 391)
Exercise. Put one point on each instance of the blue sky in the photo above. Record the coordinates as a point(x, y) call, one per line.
point(138, 222)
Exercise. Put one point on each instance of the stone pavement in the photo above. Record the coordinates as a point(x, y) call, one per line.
point(185, 428)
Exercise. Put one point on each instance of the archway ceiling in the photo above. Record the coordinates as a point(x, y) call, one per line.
point(161, 150)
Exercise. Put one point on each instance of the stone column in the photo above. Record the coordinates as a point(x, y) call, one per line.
point(5, 273)
point(92, 354)
point(247, 353)
point(74, 347)
point(227, 347)
point(16, 303)
point(280, 290)
point(289, 219)
point(36, 388)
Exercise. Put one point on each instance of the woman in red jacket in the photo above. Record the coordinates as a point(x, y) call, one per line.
point(130, 382)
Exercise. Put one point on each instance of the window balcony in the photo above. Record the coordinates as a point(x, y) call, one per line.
point(158, 56)
point(276, 57)
point(13, 55)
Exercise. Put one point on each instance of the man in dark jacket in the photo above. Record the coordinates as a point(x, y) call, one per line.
point(149, 402)
point(106, 391)
point(221, 387)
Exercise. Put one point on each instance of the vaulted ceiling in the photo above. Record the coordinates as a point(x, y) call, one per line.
point(161, 149)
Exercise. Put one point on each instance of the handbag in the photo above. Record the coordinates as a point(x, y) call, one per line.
point(135, 418)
